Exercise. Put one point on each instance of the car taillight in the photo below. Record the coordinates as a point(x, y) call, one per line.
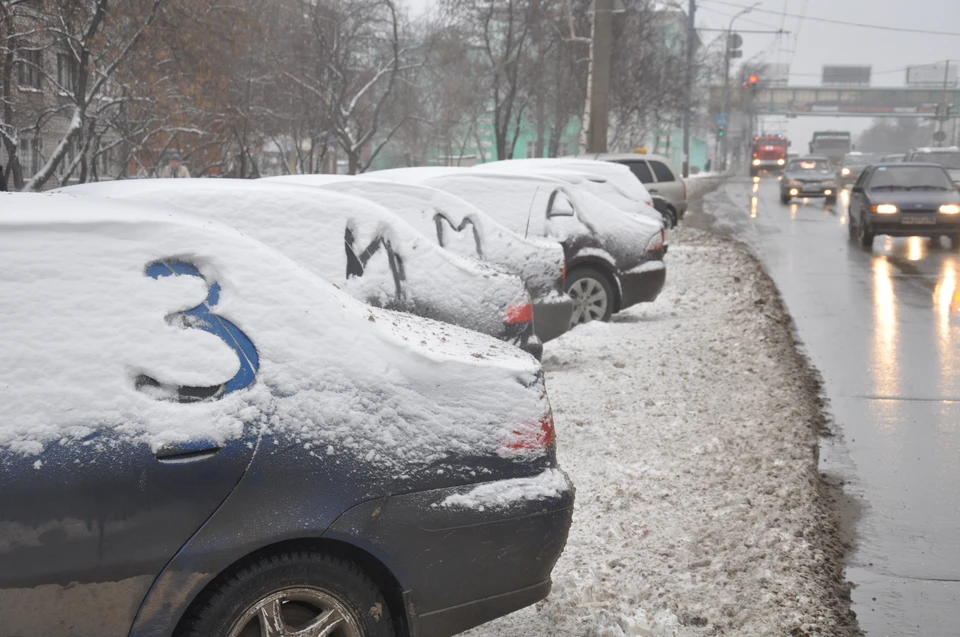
point(563, 275)
point(655, 244)
point(533, 436)
point(519, 314)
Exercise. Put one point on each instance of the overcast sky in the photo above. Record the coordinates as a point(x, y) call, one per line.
point(817, 44)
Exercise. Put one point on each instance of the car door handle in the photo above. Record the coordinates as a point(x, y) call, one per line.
point(653, 191)
point(188, 452)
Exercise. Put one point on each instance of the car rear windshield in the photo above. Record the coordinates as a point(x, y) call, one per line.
point(860, 159)
point(910, 177)
point(946, 158)
point(809, 165)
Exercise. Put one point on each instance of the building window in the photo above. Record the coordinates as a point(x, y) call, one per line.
point(531, 149)
point(28, 69)
point(68, 72)
point(30, 159)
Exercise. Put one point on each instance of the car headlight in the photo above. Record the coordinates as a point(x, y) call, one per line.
point(781, 162)
point(845, 172)
point(756, 162)
point(884, 209)
point(950, 209)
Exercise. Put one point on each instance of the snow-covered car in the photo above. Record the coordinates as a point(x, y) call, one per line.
point(615, 173)
point(464, 229)
point(614, 260)
point(596, 184)
point(183, 452)
point(364, 248)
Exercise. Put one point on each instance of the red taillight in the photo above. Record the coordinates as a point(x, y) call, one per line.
point(655, 244)
point(532, 437)
point(563, 275)
point(519, 314)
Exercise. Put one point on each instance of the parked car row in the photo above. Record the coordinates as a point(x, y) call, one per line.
point(297, 405)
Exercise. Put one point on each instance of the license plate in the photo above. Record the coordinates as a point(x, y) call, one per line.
point(918, 221)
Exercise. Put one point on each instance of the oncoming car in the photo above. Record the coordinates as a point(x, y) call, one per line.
point(812, 176)
point(219, 443)
point(362, 247)
point(904, 199)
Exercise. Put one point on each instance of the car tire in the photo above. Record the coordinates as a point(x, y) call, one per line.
point(866, 237)
point(297, 588)
point(785, 199)
point(851, 226)
point(592, 294)
point(671, 217)
point(954, 242)
point(831, 201)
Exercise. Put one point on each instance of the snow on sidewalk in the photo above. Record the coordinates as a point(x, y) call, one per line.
point(689, 428)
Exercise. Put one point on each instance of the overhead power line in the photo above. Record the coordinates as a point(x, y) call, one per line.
point(861, 25)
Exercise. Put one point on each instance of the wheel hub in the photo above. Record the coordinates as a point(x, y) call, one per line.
point(297, 612)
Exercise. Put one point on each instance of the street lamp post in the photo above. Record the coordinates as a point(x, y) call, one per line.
point(726, 78)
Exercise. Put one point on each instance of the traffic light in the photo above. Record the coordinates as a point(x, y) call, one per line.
point(720, 132)
point(751, 84)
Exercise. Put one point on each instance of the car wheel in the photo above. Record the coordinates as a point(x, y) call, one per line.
point(592, 296)
point(785, 199)
point(290, 593)
point(954, 242)
point(851, 226)
point(672, 218)
point(866, 237)
point(831, 201)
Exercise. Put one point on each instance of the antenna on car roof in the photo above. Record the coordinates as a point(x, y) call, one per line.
point(526, 232)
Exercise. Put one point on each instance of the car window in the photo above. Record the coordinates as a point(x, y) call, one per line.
point(946, 158)
point(809, 165)
point(662, 171)
point(862, 179)
point(559, 205)
point(910, 178)
point(641, 171)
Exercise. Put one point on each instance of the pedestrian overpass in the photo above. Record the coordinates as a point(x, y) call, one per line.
point(794, 101)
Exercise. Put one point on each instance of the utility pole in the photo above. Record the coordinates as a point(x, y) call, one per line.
point(728, 53)
point(943, 113)
point(601, 52)
point(688, 94)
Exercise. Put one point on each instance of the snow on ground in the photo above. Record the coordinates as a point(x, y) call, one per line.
point(689, 427)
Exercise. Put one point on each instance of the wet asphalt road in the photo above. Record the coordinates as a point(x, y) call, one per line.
point(883, 329)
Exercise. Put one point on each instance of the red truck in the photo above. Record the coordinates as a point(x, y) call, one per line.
point(768, 152)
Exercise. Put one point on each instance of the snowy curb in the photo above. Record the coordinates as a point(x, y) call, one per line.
point(690, 429)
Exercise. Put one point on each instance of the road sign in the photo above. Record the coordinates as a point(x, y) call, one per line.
point(939, 136)
point(723, 120)
point(734, 41)
point(846, 76)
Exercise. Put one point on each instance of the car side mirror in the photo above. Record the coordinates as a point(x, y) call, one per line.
point(559, 205)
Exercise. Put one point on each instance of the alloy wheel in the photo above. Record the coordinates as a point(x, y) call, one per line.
point(590, 300)
point(297, 612)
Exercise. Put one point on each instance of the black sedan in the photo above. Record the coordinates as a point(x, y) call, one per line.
point(812, 176)
point(904, 199)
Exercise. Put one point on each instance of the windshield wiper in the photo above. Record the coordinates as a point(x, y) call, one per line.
point(888, 187)
point(926, 187)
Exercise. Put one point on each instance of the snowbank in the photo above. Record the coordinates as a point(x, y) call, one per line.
point(689, 427)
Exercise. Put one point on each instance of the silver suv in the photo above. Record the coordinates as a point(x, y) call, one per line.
point(946, 156)
point(659, 177)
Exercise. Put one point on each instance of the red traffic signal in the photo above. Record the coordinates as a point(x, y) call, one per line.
point(754, 79)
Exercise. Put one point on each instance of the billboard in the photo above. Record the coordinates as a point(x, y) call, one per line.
point(932, 75)
point(846, 76)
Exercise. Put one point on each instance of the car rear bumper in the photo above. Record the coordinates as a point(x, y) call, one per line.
point(907, 225)
point(642, 284)
point(461, 566)
point(551, 316)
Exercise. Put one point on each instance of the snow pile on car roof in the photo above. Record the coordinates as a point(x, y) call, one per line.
point(310, 226)
point(84, 319)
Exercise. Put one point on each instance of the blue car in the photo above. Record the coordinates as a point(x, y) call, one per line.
point(198, 437)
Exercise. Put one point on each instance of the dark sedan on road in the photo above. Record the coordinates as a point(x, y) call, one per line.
point(200, 438)
point(812, 176)
point(854, 164)
point(904, 199)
